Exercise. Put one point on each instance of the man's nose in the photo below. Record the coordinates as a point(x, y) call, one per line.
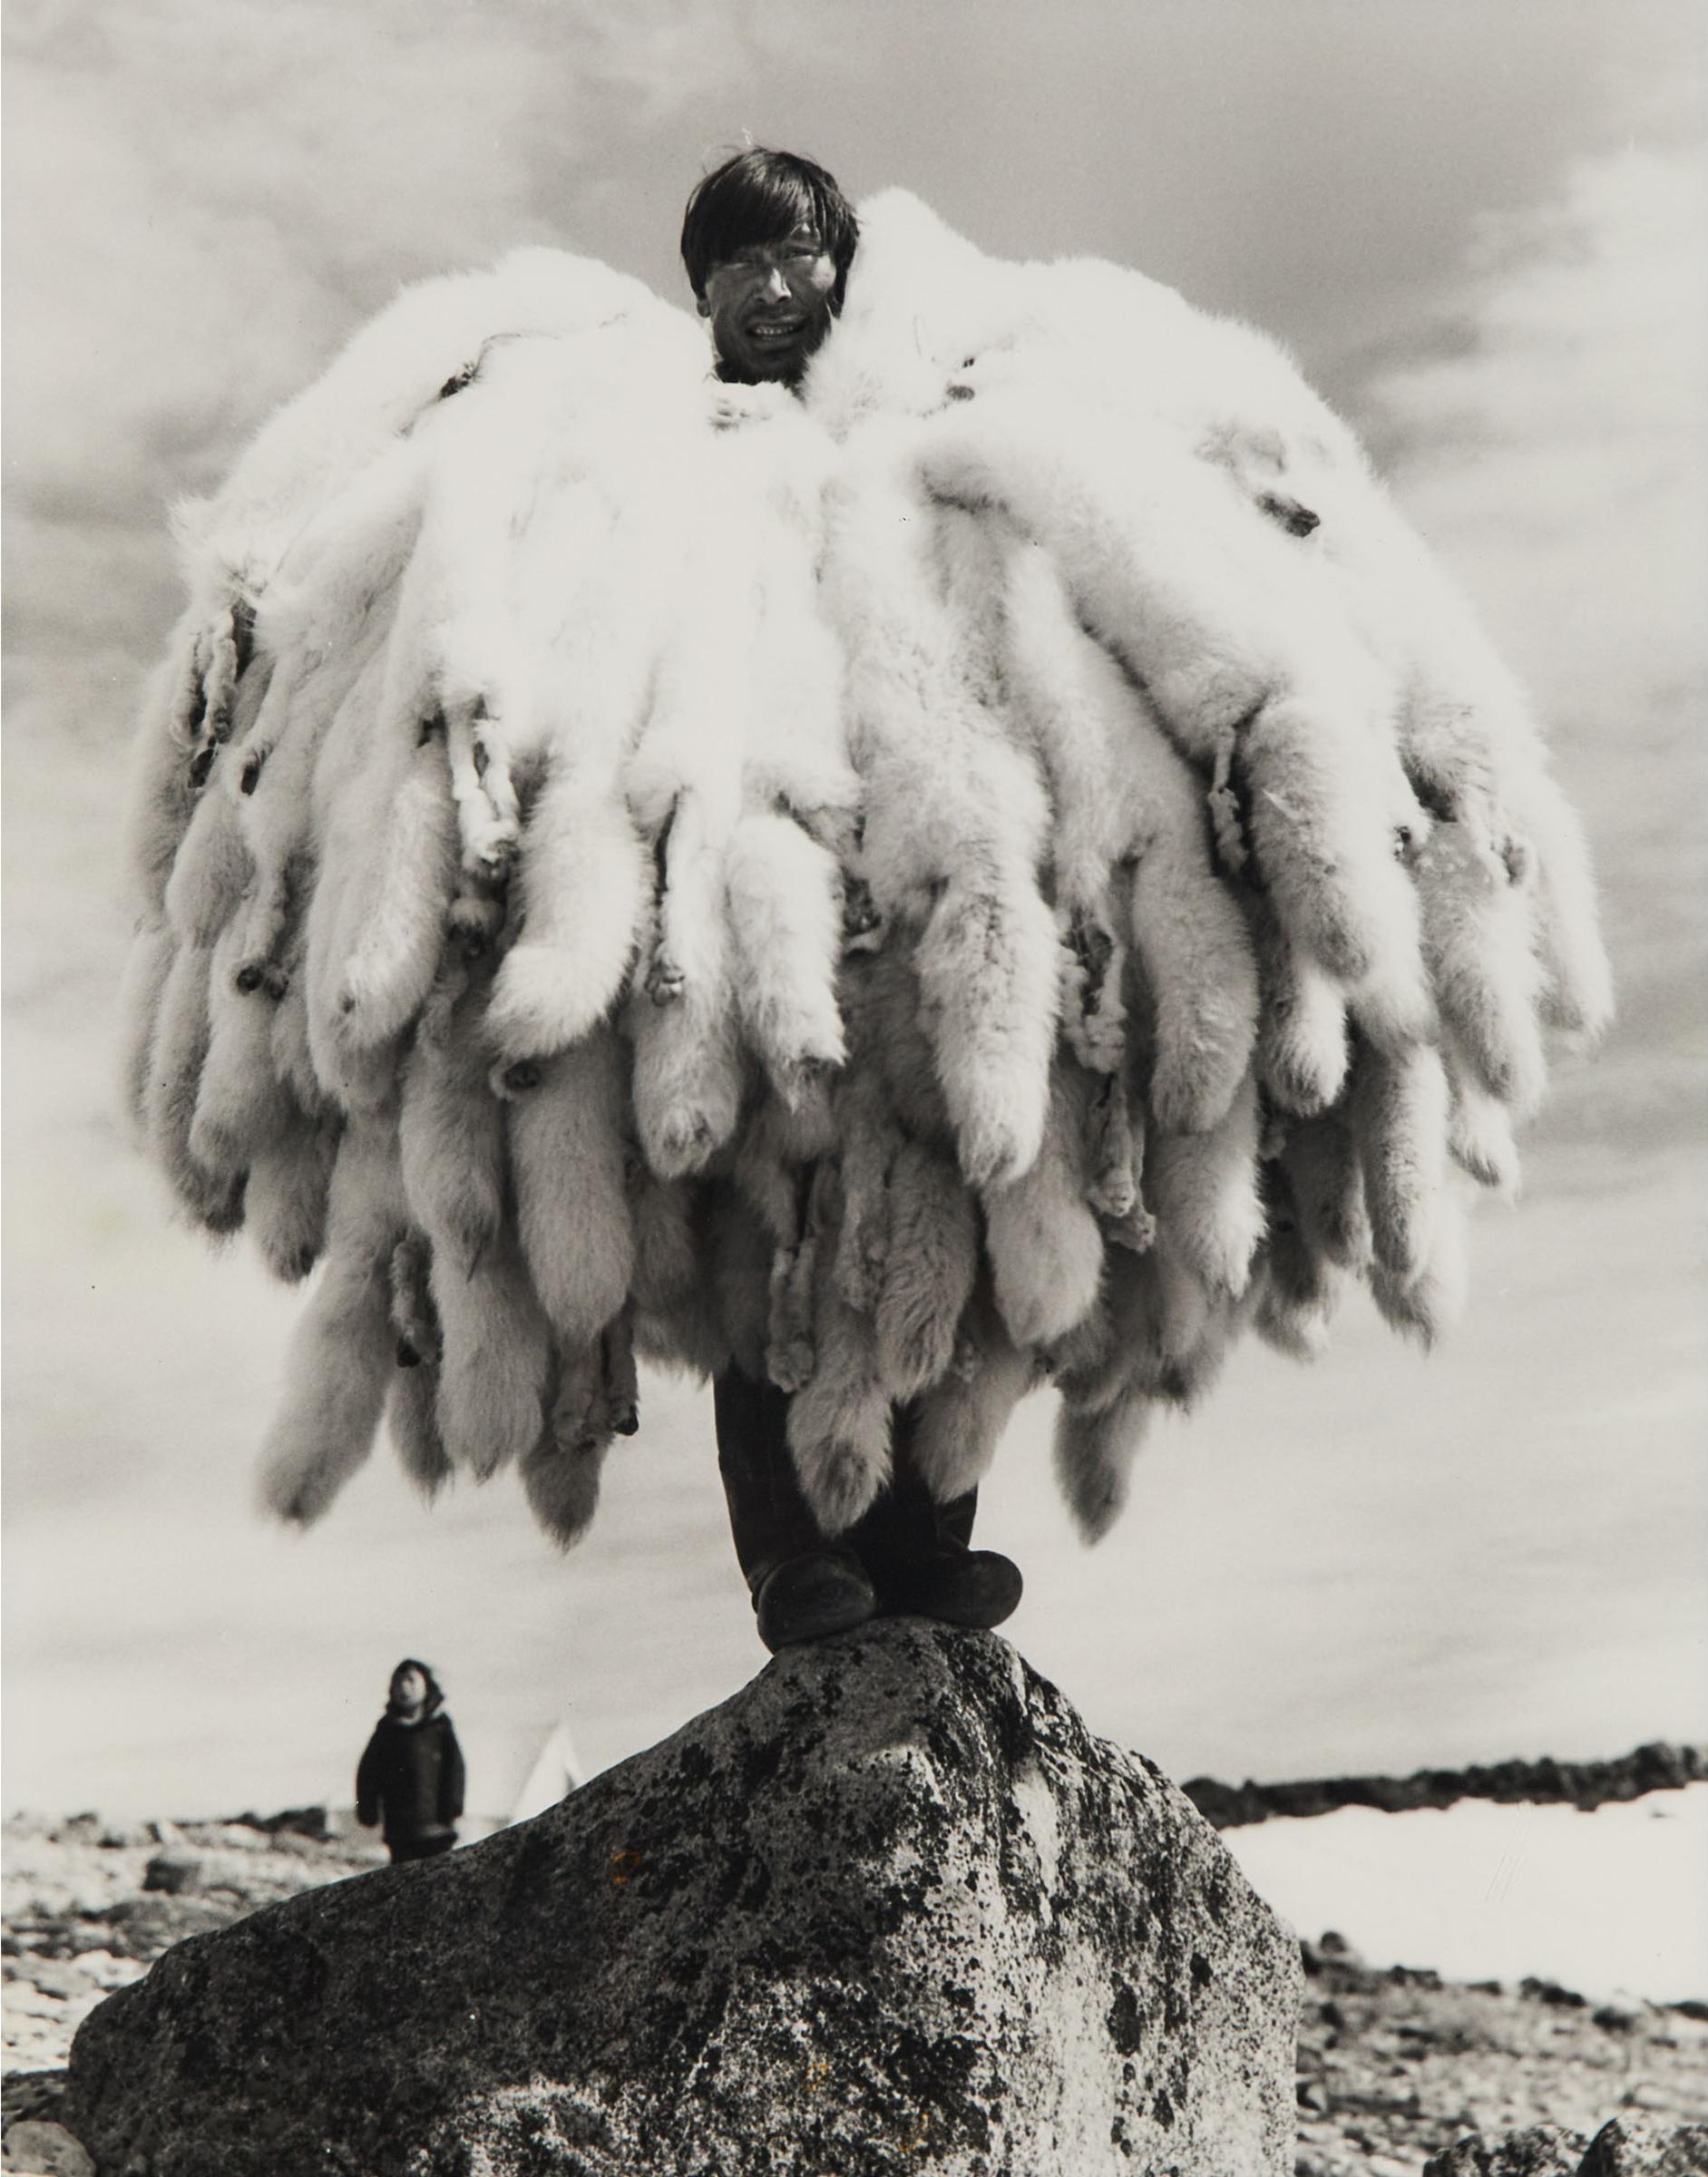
point(776, 288)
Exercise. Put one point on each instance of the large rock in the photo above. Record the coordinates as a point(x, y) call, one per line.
point(890, 1907)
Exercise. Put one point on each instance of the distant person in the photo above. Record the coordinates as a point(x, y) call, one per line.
point(411, 1775)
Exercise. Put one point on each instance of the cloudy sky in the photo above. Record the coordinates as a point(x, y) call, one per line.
point(1483, 228)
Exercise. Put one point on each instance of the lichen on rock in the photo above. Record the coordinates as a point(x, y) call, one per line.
point(893, 1906)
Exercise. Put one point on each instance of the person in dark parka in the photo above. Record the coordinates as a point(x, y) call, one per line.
point(411, 1772)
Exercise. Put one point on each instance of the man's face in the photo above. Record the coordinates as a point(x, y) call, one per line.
point(770, 307)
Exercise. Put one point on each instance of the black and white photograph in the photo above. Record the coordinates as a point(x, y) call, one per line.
point(855, 1088)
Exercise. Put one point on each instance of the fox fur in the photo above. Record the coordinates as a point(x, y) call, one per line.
point(240, 1102)
point(1480, 1136)
point(1044, 1243)
point(285, 1201)
point(1426, 1302)
point(959, 1419)
point(929, 1267)
point(1121, 795)
point(413, 1404)
point(1243, 655)
point(339, 1366)
point(1205, 1192)
point(1302, 1038)
point(566, 1156)
point(412, 1422)
point(592, 1398)
point(178, 1053)
point(1093, 1453)
point(1017, 858)
point(1399, 1119)
point(210, 874)
point(1320, 1158)
point(839, 1421)
point(496, 1357)
point(451, 1126)
point(1477, 936)
point(953, 828)
point(148, 965)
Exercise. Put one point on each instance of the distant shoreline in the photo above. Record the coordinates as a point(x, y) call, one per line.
point(1655, 1767)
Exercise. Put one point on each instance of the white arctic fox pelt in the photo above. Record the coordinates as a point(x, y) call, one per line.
point(1007, 867)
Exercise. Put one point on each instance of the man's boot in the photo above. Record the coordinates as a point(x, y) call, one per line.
point(803, 1586)
point(917, 1550)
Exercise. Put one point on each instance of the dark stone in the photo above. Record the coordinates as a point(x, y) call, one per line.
point(891, 1906)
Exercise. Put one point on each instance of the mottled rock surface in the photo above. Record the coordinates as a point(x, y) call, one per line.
point(890, 1907)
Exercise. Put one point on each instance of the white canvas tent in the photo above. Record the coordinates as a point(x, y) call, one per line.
point(556, 1772)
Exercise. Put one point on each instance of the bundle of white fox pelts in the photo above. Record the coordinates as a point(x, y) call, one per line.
point(1007, 867)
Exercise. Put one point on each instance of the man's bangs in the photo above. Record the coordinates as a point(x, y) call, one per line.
point(761, 196)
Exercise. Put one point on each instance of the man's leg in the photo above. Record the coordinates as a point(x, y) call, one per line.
point(916, 1549)
point(803, 1586)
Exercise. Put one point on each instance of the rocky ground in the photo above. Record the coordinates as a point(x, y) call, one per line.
point(1398, 2071)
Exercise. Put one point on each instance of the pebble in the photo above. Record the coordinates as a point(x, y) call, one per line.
point(45, 2150)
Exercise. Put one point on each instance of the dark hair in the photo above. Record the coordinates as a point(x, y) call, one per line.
point(761, 196)
point(435, 1692)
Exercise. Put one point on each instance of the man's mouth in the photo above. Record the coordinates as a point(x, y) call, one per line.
point(775, 330)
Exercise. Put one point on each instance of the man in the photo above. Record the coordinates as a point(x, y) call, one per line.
point(768, 240)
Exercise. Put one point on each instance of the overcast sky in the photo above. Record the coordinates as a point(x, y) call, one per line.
point(1483, 229)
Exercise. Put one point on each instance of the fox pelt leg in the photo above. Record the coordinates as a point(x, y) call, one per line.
point(212, 871)
point(241, 1104)
point(568, 1156)
point(390, 966)
point(1302, 1039)
point(839, 1421)
point(784, 902)
point(285, 1201)
point(160, 801)
point(954, 827)
point(412, 1404)
point(411, 1419)
point(1399, 1119)
point(961, 1417)
point(1092, 1453)
point(593, 1400)
point(1477, 940)
point(681, 1020)
point(1480, 1136)
point(582, 891)
point(177, 1055)
point(1426, 1304)
point(1577, 987)
point(148, 965)
point(496, 1357)
point(929, 1268)
point(1320, 1161)
point(1123, 795)
point(451, 1126)
point(340, 1362)
point(1205, 1193)
point(1300, 1288)
point(561, 1473)
point(1044, 1243)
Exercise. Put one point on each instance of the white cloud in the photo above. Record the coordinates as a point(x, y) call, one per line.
point(1558, 456)
point(1561, 455)
point(217, 190)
